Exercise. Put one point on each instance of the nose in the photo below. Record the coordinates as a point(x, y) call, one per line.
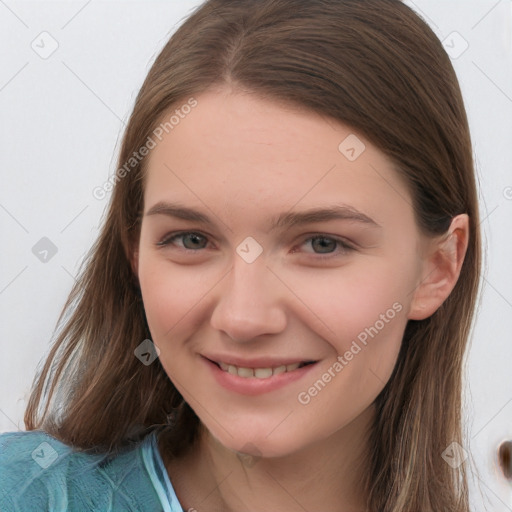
point(251, 302)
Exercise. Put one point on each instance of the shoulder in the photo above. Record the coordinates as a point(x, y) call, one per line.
point(39, 472)
point(24, 459)
point(15, 445)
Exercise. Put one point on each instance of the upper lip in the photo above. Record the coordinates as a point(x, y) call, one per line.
point(256, 362)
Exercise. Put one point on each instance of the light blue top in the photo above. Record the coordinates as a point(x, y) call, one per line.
point(39, 473)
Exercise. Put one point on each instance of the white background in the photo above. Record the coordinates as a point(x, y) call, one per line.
point(61, 122)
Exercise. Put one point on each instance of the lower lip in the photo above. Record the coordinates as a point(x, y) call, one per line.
point(253, 385)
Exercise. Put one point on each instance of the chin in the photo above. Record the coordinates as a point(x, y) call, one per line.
point(256, 443)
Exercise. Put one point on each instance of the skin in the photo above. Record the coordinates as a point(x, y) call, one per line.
point(242, 161)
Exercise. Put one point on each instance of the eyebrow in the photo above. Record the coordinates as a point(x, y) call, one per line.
point(283, 221)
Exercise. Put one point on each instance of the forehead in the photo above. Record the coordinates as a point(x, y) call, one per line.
point(234, 150)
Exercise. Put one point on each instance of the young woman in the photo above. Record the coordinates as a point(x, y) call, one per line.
point(275, 314)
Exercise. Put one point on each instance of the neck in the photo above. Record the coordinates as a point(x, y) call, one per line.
point(325, 475)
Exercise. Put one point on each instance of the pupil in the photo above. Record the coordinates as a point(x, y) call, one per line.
point(194, 239)
point(323, 243)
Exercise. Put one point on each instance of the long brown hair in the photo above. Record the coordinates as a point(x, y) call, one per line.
point(373, 65)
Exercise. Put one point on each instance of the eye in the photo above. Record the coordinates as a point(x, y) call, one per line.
point(190, 240)
point(326, 245)
point(323, 246)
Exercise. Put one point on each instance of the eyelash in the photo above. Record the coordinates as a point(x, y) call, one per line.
point(345, 247)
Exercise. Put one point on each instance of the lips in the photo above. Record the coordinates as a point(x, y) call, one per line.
point(257, 370)
point(253, 376)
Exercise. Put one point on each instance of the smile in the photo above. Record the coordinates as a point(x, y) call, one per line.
point(256, 376)
point(259, 373)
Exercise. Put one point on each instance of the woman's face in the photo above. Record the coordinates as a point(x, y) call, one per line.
point(290, 242)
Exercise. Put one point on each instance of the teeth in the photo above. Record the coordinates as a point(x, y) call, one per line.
point(245, 372)
point(263, 373)
point(279, 369)
point(258, 373)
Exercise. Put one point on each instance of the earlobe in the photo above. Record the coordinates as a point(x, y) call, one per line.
point(441, 270)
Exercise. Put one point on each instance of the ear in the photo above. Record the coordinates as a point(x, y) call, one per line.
point(441, 269)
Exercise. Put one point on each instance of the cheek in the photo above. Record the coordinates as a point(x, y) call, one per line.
point(353, 302)
point(364, 314)
point(169, 294)
point(369, 324)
